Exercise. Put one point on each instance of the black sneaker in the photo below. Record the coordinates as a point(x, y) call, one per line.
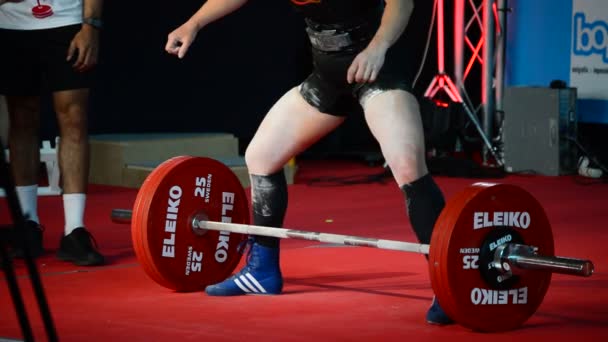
point(32, 235)
point(77, 248)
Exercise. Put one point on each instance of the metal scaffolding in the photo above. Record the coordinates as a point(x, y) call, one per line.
point(478, 42)
point(486, 50)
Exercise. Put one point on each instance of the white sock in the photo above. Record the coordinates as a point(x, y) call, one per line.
point(28, 199)
point(73, 210)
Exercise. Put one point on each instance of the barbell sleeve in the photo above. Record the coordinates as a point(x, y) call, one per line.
point(525, 257)
point(121, 216)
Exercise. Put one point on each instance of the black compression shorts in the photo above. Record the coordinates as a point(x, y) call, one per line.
point(327, 89)
point(34, 61)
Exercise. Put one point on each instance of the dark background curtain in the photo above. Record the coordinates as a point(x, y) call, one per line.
point(237, 68)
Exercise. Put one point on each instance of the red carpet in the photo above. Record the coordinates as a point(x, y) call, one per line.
point(331, 293)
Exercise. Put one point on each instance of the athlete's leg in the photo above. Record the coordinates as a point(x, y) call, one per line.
point(394, 119)
point(290, 126)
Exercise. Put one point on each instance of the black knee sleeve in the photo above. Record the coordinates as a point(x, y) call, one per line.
point(269, 198)
point(424, 204)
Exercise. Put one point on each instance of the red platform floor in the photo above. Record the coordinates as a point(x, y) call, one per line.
point(331, 293)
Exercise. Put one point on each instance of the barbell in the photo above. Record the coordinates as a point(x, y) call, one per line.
point(491, 254)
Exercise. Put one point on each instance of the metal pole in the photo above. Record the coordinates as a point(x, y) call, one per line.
point(7, 182)
point(500, 53)
point(440, 38)
point(487, 94)
point(459, 44)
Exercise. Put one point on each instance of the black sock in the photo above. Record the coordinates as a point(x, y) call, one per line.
point(424, 202)
point(269, 198)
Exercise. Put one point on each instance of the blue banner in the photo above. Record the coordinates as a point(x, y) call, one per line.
point(561, 39)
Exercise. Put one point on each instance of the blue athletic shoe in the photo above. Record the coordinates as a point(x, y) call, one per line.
point(261, 275)
point(436, 315)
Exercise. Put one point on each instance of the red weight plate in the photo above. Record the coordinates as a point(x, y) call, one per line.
point(166, 245)
point(159, 274)
point(136, 231)
point(445, 222)
point(460, 231)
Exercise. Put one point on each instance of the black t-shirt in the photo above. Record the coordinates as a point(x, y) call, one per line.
point(339, 11)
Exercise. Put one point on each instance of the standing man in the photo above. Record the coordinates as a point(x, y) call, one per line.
point(51, 47)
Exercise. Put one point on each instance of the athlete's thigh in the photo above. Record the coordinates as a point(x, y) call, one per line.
point(291, 126)
point(393, 117)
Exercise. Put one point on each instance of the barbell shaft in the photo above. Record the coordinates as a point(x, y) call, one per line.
point(284, 233)
point(124, 216)
point(515, 257)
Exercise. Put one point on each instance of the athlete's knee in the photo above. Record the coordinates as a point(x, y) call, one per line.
point(408, 165)
point(259, 161)
point(251, 156)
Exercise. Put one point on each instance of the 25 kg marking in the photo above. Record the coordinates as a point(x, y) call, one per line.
point(470, 262)
point(203, 187)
